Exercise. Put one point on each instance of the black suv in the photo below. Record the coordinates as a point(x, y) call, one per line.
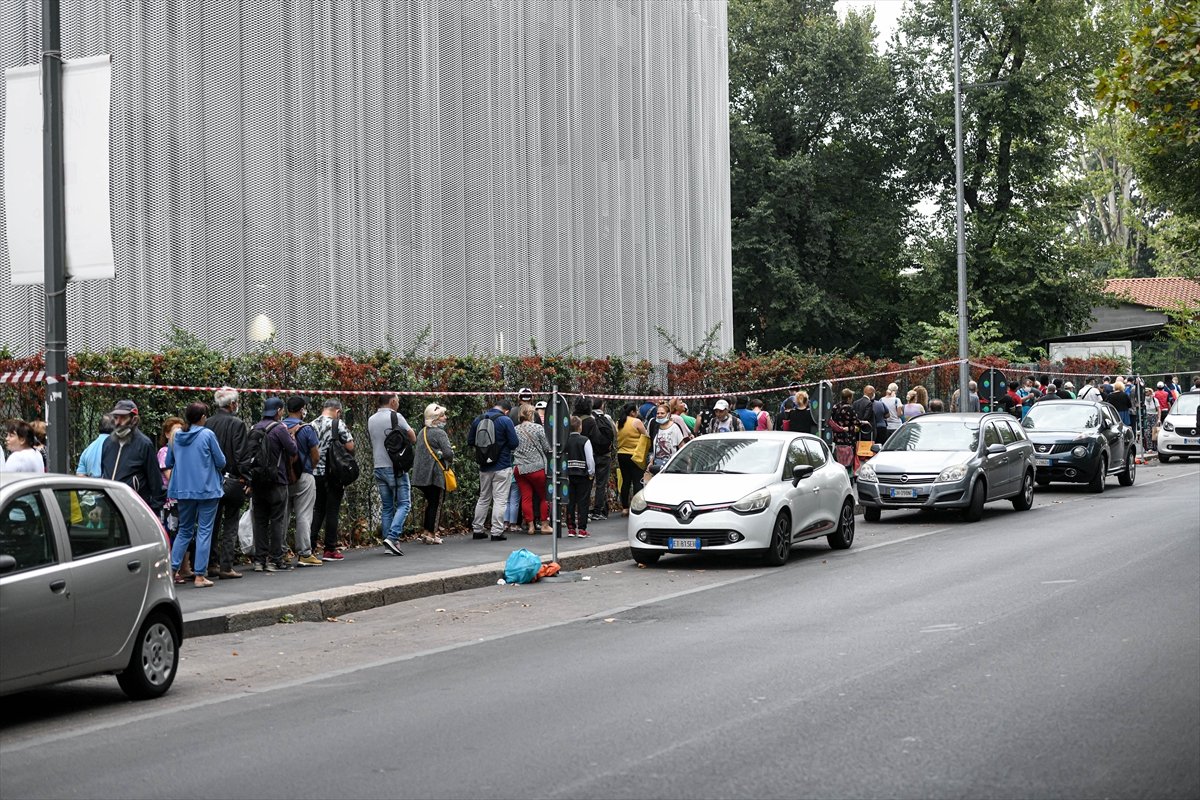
point(1080, 441)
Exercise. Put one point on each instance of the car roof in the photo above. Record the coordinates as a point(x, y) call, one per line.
point(53, 478)
point(940, 417)
point(777, 435)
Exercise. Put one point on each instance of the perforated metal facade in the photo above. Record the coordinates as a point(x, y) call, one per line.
point(497, 171)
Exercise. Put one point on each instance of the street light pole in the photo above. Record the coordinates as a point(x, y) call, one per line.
point(964, 373)
point(54, 234)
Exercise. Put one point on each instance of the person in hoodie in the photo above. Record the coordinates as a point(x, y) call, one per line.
point(129, 457)
point(197, 465)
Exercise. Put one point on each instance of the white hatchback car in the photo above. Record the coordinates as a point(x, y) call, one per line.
point(1179, 435)
point(756, 491)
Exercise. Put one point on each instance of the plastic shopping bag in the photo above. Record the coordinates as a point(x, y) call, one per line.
point(522, 567)
point(246, 534)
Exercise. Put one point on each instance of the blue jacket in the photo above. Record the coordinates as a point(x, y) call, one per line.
point(197, 464)
point(506, 434)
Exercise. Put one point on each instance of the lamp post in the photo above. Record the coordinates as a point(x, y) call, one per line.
point(54, 234)
point(964, 372)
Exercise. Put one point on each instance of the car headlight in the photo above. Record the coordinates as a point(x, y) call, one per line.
point(1080, 451)
point(866, 473)
point(951, 474)
point(753, 502)
point(638, 504)
point(1167, 426)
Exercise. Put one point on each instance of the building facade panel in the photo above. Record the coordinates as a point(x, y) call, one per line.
point(504, 174)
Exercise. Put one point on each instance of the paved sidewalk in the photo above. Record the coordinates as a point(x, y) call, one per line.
point(372, 577)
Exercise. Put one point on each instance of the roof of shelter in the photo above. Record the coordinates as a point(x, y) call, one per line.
point(1155, 292)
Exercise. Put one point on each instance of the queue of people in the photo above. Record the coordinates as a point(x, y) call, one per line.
point(208, 464)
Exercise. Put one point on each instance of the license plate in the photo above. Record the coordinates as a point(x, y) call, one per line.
point(1191, 441)
point(904, 492)
point(683, 544)
point(1043, 462)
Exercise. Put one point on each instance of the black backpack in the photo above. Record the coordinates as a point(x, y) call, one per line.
point(398, 447)
point(340, 464)
point(487, 446)
point(265, 456)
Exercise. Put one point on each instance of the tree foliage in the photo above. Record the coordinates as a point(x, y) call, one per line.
point(818, 213)
point(1025, 68)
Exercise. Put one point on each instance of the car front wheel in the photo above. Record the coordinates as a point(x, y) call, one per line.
point(1097, 484)
point(1024, 500)
point(646, 557)
point(974, 511)
point(154, 660)
point(1127, 477)
point(844, 536)
point(781, 541)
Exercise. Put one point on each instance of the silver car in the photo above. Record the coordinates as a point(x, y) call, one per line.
point(950, 461)
point(756, 491)
point(85, 586)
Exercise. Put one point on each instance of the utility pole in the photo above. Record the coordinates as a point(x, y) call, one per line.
point(964, 372)
point(55, 236)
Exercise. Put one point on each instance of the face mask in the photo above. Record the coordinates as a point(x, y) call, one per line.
point(661, 420)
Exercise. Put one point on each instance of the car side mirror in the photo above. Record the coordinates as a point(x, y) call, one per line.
point(7, 564)
point(800, 472)
point(875, 448)
point(996, 449)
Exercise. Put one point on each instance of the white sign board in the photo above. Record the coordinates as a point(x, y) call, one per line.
point(87, 86)
point(1061, 350)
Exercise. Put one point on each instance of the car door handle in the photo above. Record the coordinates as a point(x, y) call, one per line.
point(58, 585)
point(134, 565)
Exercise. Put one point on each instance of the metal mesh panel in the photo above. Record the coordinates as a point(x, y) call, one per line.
point(498, 172)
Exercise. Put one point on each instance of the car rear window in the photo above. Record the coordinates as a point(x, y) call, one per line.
point(94, 522)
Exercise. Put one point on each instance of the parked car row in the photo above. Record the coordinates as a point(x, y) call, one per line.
point(765, 491)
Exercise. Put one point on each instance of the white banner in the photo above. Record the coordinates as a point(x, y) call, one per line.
point(87, 86)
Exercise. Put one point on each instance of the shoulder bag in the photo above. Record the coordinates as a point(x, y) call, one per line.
point(447, 474)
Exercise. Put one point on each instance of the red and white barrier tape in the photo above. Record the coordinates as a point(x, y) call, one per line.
point(29, 376)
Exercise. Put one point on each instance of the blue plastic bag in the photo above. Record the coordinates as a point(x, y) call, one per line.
point(522, 567)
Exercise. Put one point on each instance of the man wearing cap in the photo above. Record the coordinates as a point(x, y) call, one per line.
point(722, 420)
point(128, 456)
point(269, 502)
point(302, 495)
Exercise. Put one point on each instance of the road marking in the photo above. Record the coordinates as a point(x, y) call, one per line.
point(1047, 583)
point(897, 541)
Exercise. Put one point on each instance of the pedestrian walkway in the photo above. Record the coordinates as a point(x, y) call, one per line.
point(371, 577)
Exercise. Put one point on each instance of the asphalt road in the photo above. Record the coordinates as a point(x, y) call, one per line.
point(1041, 654)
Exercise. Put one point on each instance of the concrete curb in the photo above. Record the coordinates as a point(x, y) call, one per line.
point(326, 603)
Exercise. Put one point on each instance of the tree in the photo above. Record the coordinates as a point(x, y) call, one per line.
point(1154, 87)
point(1025, 68)
point(818, 213)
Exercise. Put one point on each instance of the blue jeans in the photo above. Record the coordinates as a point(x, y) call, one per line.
point(196, 519)
point(513, 510)
point(396, 497)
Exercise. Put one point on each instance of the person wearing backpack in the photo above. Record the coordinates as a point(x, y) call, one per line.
point(231, 433)
point(270, 446)
point(302, 491)
point(601, 431)
point(391, 468)
point(329, 488)
point(492, 439)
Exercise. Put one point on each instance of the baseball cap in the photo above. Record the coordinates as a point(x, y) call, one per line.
point(272, 406)
point(525, 394)
point(1160, 385)
point(124, 407)
point(540, 404)
point(721, 405)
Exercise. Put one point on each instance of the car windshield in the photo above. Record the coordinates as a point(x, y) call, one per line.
point(935, 437)
point(727, 456)
point(1068, 417)
point(1186, 404)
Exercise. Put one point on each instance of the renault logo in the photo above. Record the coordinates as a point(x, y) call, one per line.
point(686, 511)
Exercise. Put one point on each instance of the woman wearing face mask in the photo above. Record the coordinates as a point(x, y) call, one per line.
point(667, 433)
point(631, 434)
point(433, 446)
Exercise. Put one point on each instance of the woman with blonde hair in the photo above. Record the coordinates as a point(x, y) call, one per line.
point(799, 418)
point(913, 408)
point(432, 456)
